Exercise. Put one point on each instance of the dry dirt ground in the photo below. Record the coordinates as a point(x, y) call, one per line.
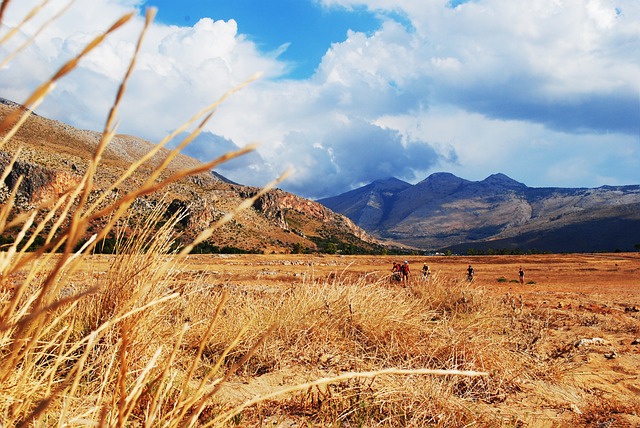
point(580, 286)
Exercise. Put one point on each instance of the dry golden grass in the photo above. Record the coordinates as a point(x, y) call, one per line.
point(154, 337)
point(347, 347)
point(336, 315)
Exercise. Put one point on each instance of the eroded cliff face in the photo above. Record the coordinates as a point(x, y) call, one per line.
point(277, 204)
point(37, 184)
point(276, 222)
point(197, 213)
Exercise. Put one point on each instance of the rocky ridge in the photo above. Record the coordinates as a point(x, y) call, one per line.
point(54, 156)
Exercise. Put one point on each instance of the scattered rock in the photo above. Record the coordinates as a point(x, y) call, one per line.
point(632, 309)
point(636, 341)
point(269, 272)
point(610, 355)
point(586, 342)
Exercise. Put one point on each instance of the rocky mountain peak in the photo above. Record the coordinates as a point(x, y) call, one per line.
point(389, 181)
point(442, 177)
point(389, 184)
point(503, 181)
point(440, 184)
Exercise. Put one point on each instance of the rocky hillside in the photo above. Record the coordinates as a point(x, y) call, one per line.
point(447, 212)
point(54, 157)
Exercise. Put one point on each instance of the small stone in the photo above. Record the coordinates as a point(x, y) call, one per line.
point(586, 342)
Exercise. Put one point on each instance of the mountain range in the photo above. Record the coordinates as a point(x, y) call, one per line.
point(447, 212)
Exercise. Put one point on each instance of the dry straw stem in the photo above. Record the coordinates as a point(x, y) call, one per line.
point(78, 226)
point(69, 386)
point(151, 185)
point(12, 260)
point(36, 326)
point(15, 119)
point(224, 418)
point(125, 202)
point(8, 205)
point(37, 323)
point(32, 13)
point(110, 129)
point(3, 6)
point(162, 379)
point(22, 119)
point(232, 370)
point(206, 337)
point(194, 402)
point(365, 326)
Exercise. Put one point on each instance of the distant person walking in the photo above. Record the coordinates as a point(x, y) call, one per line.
point(405, 272)
point(521, 275)
point(470, 273)
point(425, 271)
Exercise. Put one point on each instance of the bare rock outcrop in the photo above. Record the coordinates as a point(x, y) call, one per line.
point(275, 204)
point(37, 183)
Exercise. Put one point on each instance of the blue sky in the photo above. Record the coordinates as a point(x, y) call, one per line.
point(304, 30)
point(547, 92)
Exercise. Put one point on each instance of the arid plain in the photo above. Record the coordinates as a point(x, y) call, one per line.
point(582, 310)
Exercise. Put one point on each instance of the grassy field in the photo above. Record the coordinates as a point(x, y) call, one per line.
point(153, 338)
point(559, 349)
point(300, 340)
